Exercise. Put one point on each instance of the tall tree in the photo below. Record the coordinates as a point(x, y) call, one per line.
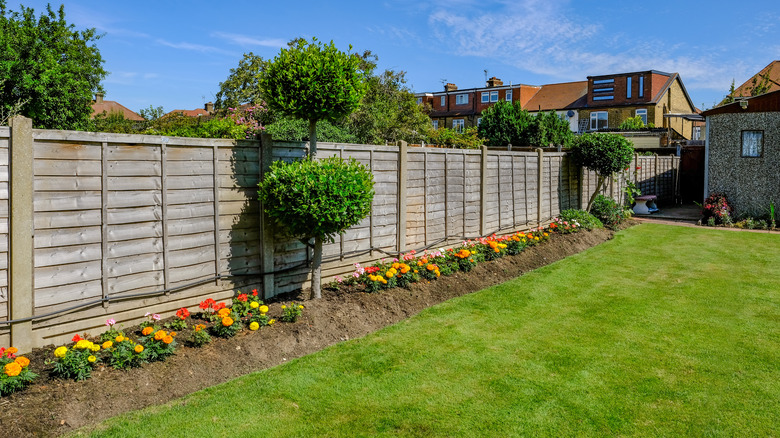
point(50, 66)
point(242, 84)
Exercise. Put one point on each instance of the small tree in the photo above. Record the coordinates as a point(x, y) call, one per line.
point(605, 154)
point(317, 199)
point(313, 82)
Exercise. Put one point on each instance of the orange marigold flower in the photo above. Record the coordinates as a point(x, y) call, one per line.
point(168, 339)
point(223, 313)
point(138, 348)
point(12, 369)
point(227, 321)
point(199, 327)
point(159, 335)
point(430, 267)
point(22, 361)
point(11, 350)
point(147, 331)
point(172, 334)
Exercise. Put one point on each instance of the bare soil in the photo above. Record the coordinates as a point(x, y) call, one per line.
point(52, 406)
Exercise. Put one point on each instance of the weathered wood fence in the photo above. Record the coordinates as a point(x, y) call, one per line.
point(115, 225)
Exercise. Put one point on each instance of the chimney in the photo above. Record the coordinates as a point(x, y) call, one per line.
point(494, 82)
point(209, 107)
point(450, 87)
point(98, 98)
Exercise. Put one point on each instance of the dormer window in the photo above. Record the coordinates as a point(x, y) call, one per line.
point(461, 99)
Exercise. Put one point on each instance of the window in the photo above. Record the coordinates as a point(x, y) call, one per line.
point(457, 125)
point(752, 143)
point(610, 97)
point(435, 124)
point(643, 114)
point(604, 81)
point(696, 134)
point(419, 101)
point(628, 87)
point(508, 95)
point(604, 90)
point(443, 101)
point(494, 96)
point(485, 97)
point(641, 86)
point(461, 99)
point(598, 120)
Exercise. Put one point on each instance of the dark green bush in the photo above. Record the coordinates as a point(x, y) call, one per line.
point(585, 219)
point(607, 211)
point(290, 129)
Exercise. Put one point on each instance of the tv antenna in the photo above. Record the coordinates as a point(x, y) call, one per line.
point(485, 70)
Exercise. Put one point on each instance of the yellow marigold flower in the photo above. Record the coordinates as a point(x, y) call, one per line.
point(22, 361)
point(263, 309)
point(254, 304)
point(81, 345)
point(283, 306)
point(147, 331)
point(384, 281)
point(138, 348)
point(168, 339)
point(300, 306)
point(416, 271)
point(396, 265)
point(254, 326)
point(95, 348)
point(91, 359)
point(107, 345)
point(60, 352)
point(272, 322)
point(545, 234)
point(227, 321)
point(120, 338)
point(389, 274)
point(159, 335)
point(420, 263)
point(12, 369)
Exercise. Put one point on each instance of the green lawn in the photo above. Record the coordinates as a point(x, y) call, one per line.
point(663, 331)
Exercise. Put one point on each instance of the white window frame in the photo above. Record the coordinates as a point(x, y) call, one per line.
point(443, 101)
point(494, 96)
point(458, 125)
point(419, 101)
point(696, 134)
point(435, 124)
point(485, 97)
point(461, 99)
point(752, 142)
point(643, 114)
point(508, 95)
point(595, 118)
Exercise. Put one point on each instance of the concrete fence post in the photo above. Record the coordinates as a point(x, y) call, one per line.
point(20, 252)
point(483, 192)
point(403, 170)
point(266, 224)
point(539, 185)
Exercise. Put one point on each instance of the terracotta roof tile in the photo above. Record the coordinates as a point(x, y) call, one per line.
point(191, 113)
point(771, 71)
point(567, 95)
point(110, 106)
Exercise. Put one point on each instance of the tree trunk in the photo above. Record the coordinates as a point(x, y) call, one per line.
point(596, 193)
point(316, 269)
point(312, 139)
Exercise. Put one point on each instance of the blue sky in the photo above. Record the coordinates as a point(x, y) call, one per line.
point(174, 54)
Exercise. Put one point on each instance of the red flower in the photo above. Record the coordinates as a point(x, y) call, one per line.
point(242, 297)
point(183, 313)
point(254, 292)
point(76, 338)
point(218, 306)
point(207, 303)
point(638, 167)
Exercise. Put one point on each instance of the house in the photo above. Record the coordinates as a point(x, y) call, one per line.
point(206, 111)
point(100, 106)
point(600, 103)
point(768, 79)
point(742, 153)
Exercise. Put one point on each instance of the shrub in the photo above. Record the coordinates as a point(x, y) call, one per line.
point(605, 154)
point(607, 211)
point(227, 325)
point(291, 313)
point(289, 129)
point(14, 371)
point(582, 217)
point(716, 210)
point(158, 345)
point(77, 362)
point(122, 353)
point(200, 336)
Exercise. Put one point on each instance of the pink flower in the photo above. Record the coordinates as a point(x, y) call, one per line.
point(339, 279)
point(156, 317)
point(110, 322)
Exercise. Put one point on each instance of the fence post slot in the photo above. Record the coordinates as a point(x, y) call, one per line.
point(403, 170)
point(20, 252)
point(266, 225)
point(539, 185)
point(483, 192)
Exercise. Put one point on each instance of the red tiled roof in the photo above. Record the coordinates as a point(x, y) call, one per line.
point(110, 106)
point(191, 113)
point(559, 96)
point(770, 72)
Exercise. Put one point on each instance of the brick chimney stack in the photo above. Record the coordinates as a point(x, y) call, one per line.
point(450, 87)
point(209, 107)
point(494, 82)
point(98, 98)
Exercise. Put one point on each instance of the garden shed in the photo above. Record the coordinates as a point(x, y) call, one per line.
point(742, 153)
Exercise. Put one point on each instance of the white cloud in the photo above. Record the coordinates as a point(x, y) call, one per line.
point(245, 40)
point(193, 47)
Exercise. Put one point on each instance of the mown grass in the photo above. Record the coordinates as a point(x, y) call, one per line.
point(663, 331)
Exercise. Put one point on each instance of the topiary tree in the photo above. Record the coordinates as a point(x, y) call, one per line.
point(317, 199)
point(605, 154)
point(313, 82)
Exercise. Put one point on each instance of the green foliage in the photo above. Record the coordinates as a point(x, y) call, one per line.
point(200, 336)
point(122, 355)
point(313, 81)
point(717, 209)
point(632, 191)
point(607, 211)
point(291, 313)
point(152, 113)
point(158, 345)
point(761, 83)
point(468, 139)
point(632, 123)
point(319, 198)
point(242, 85)
point(49, 66)
point(291, 129)
point(113, 122)
point(604, 154)
point(227, 327)
point(179, 125)
point(15, 373)
point(506, 123)
point(582, 217)
point(77, 362)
